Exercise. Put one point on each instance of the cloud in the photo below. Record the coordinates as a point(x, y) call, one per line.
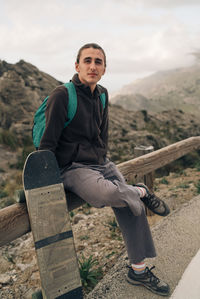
point(164, 4)
point(138, 36)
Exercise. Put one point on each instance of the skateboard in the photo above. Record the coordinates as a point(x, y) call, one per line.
point(51, 228)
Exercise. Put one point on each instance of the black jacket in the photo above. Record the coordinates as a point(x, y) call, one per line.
point(85, 139)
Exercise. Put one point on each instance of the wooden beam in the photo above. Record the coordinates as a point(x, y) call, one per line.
point(159, 158)
point(14, 220)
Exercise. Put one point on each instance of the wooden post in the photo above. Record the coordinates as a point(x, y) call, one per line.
point(148, 178)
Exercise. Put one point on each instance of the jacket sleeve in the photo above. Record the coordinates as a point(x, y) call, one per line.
point(56, 116)
point(104, 125)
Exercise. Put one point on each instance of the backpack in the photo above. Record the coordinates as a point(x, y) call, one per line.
point(40, 118)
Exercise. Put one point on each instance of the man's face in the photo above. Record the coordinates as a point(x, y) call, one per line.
point(91, 67)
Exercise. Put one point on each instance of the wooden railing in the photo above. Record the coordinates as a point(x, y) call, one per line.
point(14, 220)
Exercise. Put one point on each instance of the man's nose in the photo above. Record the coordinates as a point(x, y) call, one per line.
point(92, 65)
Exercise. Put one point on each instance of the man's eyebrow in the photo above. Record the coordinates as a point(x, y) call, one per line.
point(96, 59)
point(86, 58)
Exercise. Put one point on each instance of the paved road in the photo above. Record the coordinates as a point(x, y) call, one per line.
point(177, 240)
point(189, 285)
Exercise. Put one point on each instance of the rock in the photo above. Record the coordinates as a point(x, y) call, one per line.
point(5, 279)
point(35, 276)
point(23, 267)
point(28, 294)
point(79, 217)
point(80, 247)
point(5, 265)
point(91, 226)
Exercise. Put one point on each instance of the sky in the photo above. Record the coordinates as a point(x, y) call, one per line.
point(140, 37)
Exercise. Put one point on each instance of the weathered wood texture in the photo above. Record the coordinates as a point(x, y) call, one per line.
point(148, 178)
point(159, 158)
point(53, 240)
point(14, 221)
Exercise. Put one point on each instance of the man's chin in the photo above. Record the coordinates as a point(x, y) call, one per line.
point(92, 81)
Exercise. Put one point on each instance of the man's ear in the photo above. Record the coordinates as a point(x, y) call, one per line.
point(104, 71)
point(77, 67)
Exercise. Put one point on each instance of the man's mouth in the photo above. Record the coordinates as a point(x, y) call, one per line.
point(92, 74)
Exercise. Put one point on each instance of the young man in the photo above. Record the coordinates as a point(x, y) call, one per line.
point(81, 150)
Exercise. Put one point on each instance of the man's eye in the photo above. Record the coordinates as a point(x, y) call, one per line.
point(87, 61)
point(98, 62)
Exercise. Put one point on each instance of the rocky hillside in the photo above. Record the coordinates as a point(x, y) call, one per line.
point(129, 129)
point(22, 86)
point(174, 89)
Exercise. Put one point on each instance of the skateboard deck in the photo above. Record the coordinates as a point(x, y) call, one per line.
point(51, 228)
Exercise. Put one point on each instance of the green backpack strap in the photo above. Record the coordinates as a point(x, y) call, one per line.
point(72, 103)
point(103, 99)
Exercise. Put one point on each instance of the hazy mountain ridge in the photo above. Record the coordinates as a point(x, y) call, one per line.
point(166, 90)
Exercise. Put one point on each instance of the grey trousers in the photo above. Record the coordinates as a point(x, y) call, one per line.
point(104, 185)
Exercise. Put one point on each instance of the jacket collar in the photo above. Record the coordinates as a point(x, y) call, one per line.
point(77, 82)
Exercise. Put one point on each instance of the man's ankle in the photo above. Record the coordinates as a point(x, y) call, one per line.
point(139, 268)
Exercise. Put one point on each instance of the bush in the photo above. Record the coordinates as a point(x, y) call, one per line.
point(198, 187)
point(22, 158)
point(3, 194)
point(164, 181)
point(9, 139)
point(89, 273)
point(7, 202)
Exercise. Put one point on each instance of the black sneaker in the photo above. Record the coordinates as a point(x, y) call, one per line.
point(148, 280)
point(154, 203)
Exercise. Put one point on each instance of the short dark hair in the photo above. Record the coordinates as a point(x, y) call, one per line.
point(90, 45)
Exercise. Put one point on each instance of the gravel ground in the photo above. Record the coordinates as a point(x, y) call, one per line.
point(95, 232)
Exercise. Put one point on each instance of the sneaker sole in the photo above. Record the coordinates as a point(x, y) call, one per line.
point(138, 283)
point(167, 212)
point(164, 214)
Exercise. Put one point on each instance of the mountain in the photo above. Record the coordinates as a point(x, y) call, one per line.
point(166, 90)
point(22, 87)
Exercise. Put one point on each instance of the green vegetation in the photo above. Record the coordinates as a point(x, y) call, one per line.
point(3, 194)
point(71, 214)
point(8, 201)
point(179, 172)
point(197, 165)
point(9, 257)
point(86, 208)
point(8, 188)
point(183, 186)
point(22, 157)
point(113, 224)
point(85, 237)
point(90, 274)
point(114, 229)
point(164, 181)
point(8, 138)
point(110, 254)
point(198, 187)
